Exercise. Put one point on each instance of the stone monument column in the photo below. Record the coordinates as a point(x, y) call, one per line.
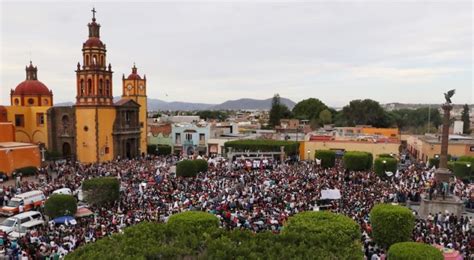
point(442, 174)
point(450, 203)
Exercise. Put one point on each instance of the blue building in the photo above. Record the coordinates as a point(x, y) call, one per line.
point(190, 138)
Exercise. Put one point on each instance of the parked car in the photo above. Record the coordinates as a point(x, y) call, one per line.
point(64, 191)
point(25, 228)
point(9, 224)
point(28, 200)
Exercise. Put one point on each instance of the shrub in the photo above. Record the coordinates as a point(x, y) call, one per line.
point(385, 155)
point(466, 159)
point(291, 148)
point(58, 205)
point(102, 190)
point(193, 221)
point(334, 234)
point(162, 149)
point(451, 165)
point(27, 171)
point(391, 224)
point(461, 169)
point(327, 157)
point(201, 165)
point(357, 161)
point(186, 168)
point(380, 168)
point(413, 251)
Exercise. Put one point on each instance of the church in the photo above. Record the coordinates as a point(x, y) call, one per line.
point(97, 128)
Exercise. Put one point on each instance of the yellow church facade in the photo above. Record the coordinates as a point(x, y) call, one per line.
point(30, 101)
point(96, 128)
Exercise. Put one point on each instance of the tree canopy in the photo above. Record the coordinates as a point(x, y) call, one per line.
point(365, 112)
point(309, 109)
point(466, 120)
point(278, 111)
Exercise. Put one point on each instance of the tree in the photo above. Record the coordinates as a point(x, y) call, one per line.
point(417, 121)
point(58, 205)
point(278, 111)
point(327, 157)
point(309, 109)
point(102, 190)
point(380, 167)
point(186, 168)
point(201, 165)
point(193, 221)
point(391, 224)
point(357, 161)
point(466, 120)
point(325, 117)
point(365, 112)
point(414, 251)
point(331, 232)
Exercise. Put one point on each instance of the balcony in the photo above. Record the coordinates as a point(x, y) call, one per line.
point(188, 143)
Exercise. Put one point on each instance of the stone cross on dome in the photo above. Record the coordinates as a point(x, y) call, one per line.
point(93, 13)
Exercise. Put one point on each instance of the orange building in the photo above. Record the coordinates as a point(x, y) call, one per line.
point(14, 155)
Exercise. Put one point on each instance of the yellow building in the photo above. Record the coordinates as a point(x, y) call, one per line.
point(134, 88)
point(29, 102)
point(424, 147)
point(104, 130)
point(376, 148)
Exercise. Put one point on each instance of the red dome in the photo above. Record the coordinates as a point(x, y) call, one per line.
point(31, 87)
point(93, 42)
point(134, 76)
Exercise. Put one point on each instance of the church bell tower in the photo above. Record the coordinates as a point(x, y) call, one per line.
point(134, 87)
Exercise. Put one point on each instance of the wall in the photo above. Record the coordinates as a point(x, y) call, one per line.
point(7, 132)
point(17, 156)
point(374, 148)
point(31, 132)
point(86, 141)
point(106, 118)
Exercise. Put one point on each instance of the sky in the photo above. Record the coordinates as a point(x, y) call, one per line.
point(210, 52)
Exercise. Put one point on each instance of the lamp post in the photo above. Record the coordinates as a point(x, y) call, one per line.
point(384, 163)
point(309, 151)
point(468, 165)
point(156, 149)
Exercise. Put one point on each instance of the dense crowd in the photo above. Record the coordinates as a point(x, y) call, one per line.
point(256, 199)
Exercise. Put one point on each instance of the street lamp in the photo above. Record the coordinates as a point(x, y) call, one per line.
point(309, 151)
point(384, 163)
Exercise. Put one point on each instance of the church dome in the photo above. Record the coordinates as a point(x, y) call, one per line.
point(134, 74)
point(93, 42)
point(31, 86)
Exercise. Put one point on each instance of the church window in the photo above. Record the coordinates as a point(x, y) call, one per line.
point(102, 60)
point(107, 87)
point(94, 60)
point(100, 86)
point(19, 120)
point(86, 128)
point(31, 101)
point(89, 86)
point(16, 101)
point(45, 101)
point(87, 60)
point(82, 87)
point(39, 119)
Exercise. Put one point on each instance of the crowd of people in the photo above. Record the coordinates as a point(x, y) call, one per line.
point(257, 199)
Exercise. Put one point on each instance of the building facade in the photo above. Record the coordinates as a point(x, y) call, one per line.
point(190, 139)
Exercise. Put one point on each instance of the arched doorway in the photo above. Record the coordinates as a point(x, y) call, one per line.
point(66, 149)
point(128, 149)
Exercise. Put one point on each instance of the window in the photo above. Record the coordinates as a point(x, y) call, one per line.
point(89, 86)
point(17, 101)
point(82, 87)
point(39, 119)
point(100, 86)
point(19, 120)
point(202, 137)
point(31, 101)
point(45, 101)
point(127, 117)
point(178, 138)
point(107, 87)
point(141, 124)
point(189, 137)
